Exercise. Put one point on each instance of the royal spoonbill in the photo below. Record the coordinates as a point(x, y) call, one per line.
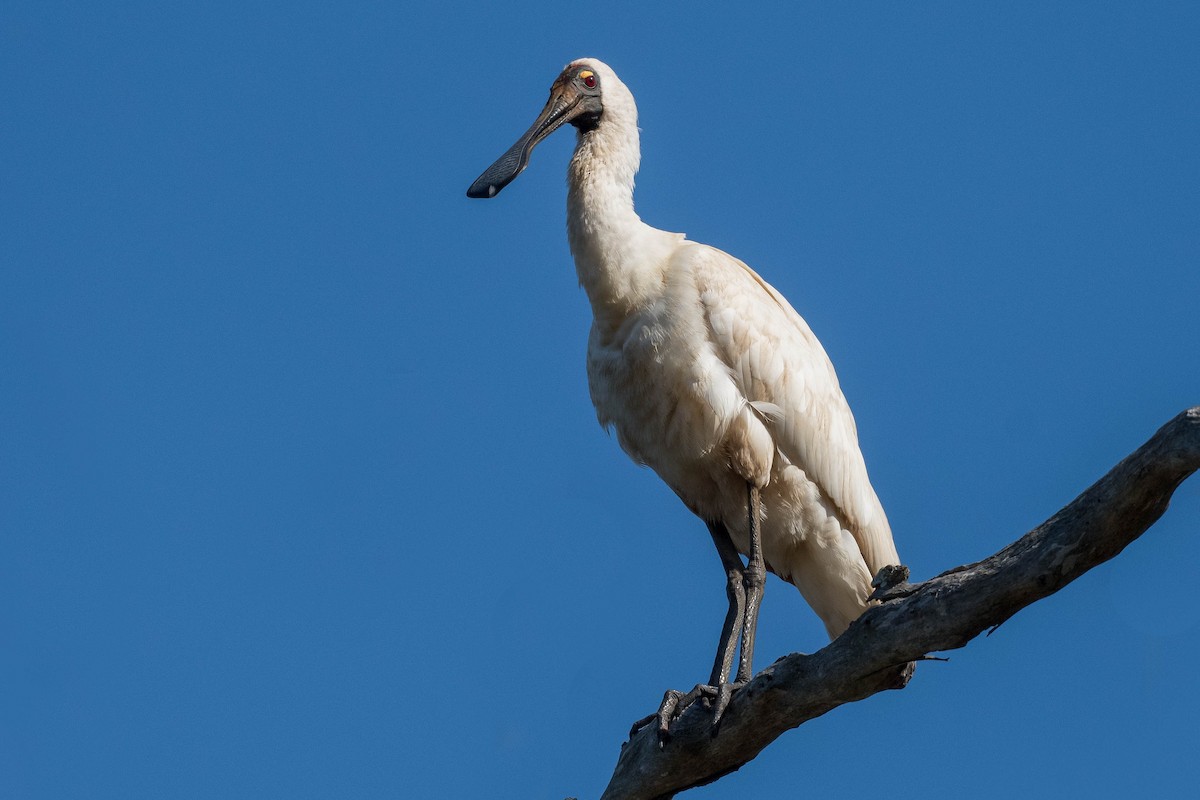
point(710, 378)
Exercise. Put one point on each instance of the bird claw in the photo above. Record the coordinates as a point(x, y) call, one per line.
point(891, 583)
point(674, 703)
point(721, 702)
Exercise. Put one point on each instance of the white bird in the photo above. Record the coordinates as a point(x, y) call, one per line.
point(710, 378)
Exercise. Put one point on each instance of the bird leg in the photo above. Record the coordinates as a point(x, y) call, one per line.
point(754, 580)
point(737, 582)
point(735, 591)
point(736, 619)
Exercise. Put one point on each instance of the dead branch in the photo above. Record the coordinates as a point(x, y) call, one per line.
point(942, 613)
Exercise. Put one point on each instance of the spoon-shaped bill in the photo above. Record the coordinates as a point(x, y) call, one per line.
point(562, 107)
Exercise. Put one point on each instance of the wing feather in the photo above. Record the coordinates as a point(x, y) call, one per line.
point(783, 372)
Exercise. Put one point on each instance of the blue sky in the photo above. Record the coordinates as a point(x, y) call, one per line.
point(301, 493)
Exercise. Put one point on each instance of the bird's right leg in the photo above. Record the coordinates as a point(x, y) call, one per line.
point(735, 591)
point(754, 578)
point(675, 703)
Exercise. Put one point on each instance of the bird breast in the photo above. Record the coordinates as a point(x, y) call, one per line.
point(658, 381)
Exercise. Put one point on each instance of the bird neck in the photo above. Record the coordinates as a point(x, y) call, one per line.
point(620, 259)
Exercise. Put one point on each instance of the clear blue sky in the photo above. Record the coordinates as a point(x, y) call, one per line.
point(301, 493)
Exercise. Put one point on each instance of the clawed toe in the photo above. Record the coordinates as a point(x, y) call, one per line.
point(724, 695)
point(674, 703)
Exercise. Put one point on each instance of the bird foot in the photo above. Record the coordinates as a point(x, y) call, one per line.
point(891, 583)
point(674, 703)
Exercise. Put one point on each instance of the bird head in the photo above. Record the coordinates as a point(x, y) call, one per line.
point(575, 97)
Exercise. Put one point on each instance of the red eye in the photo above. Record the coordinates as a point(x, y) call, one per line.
point(589, 80)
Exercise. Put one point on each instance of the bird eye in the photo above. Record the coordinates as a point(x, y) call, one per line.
point(588, 78)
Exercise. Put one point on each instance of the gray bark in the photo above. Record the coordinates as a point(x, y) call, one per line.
point(942, 613)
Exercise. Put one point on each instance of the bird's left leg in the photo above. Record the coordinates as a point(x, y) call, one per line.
point(674, 702)
point(754, 579)
point(744, 602)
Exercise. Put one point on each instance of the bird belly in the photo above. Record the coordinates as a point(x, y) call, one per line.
point(662, 399)
point(669, 413)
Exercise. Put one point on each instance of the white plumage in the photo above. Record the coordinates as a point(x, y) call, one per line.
point(716, 382)
point(705, 372)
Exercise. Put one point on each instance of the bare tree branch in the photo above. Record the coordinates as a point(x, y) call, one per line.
point(942, 613)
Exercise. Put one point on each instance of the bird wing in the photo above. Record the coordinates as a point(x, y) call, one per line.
point(782, 371)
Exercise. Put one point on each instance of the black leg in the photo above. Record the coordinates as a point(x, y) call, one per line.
point(675, 703)
point(744, 588)
point(755, 578)
point(736, 592)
